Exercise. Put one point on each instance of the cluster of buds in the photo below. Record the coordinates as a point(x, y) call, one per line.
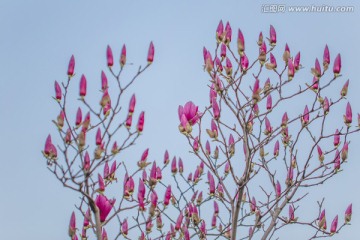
point(223, 34)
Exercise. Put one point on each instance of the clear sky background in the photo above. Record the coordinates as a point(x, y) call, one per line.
point(38, 37)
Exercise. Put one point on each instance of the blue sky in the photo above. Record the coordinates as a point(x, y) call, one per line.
point(38, 38)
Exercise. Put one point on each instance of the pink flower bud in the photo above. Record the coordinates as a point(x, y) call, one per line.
point(105, 99)
point(194, 196)
point(209, 64)
point(262, 53)
point(291, 214)
point(289, 177)
point(167, 196)
point(58, 93)
point(109, 56)
point(216, 109)
point(204, 54)
point(337, 65)
point(244, 61)
point(72, 225)
point(334, 224)
point(159, 223)
point(269, 102)
point(336, 138)
point(216, 208)
point(151, 52)
point(141, 189)
point(106, 109)
point(322, 220)
point(348, 214)
point(213, 133)
point(68, 136)
point(173, 166)
point(228, 33)
point(278, 189)
point(207, 148)
point(181, 166)
point(291, 69)
point(153, 179)
point(71, 66)
point(129, 187)
point(203, 228)
point(256, 91)
point(213, 221)
point(86, 164)
point(256, 109)
point(220, 32)
point(104, 205)
point(113, 170)
point(337, 161)
point(320, 154)
point(268, 127)
point(297, 61)
point(316, 71)
point(115, 149)
point(241, 43)
point(83, 86)
point(50, 150)
point(276, 148)
point(101, 184)
point(132, 104)
point(344, 89)
point(158, 174)
point(305, 117)
point(286, 54)
point(153, 198)
point(199, 198)
point(128, 121)
point(344, 151)
point(228, 67)
point(104, 81)
point(179, 221)
point(315, 84)
point(326, 105)
point(260, 39)
point(272, 64)
point(106, 170)
point(123, 56)
point(124, 228)
point(98, 137)
point(212, 93)
point(223, 51)
point(141, 121)
point(348, 115)
point(60, 119)
point(272, 36)
point(78, 117)
point(86, 121)
point(253, 204)
point(87, 219)
point(326, 57)
point(196, 176)
point(166, 157)
point(104, 234)
point(196, 144)
point(284, 120)
point(211, 184)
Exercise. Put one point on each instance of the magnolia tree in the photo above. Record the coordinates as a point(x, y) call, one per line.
point(263, 141)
